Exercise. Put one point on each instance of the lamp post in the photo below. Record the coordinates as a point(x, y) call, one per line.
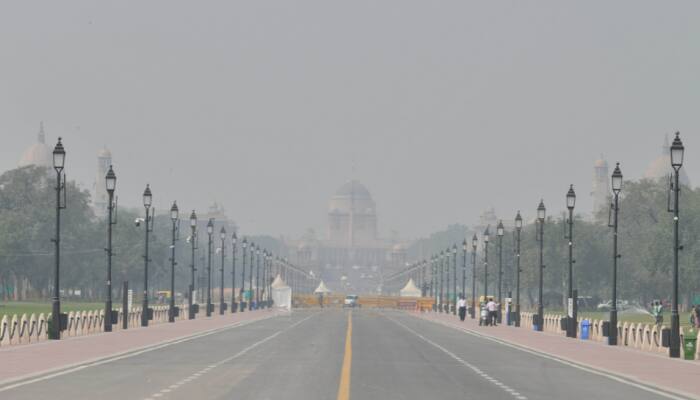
point(616, 187)
point(210, 231)
point(257, 278)
point(441, 266)
point(464, 268)
point(518, 229)
point(175, 217)
point(486, 263)
point(677, 151)
point(234, 305)
point(454, 279)
point(250, 277)
point(434, 283)
point(541, 213)
point(222, 303)
point(193, 245)
point(571, 318)
point(244, 245)
point(147, 201)
point(59, 158)
point(111, 184)
point(475, 242)
point(499, 233)
point(446, 269)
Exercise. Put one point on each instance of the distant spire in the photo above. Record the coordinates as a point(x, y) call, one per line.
point(666, 149)
point(42, 136)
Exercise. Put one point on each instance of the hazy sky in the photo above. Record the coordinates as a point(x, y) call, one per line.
point(446, 107)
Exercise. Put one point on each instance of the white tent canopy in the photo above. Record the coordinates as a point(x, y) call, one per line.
point(410, 290)
point(322, 288)
point(281, 294)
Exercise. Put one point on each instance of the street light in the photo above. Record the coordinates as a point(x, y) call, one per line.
point(541, 214)
point(257, 277)
point(175, 217)
point(111, 185)
point(464, 269)
point(222, 304)
point(518, 229)
point(59, 158)
point(677, 151)
point(234, 305)
point(147, 201)
point(244, 245)
point(475, 242)
point(193, 243)
point(616, 187)
point(210, 231)
point(486, 238)
point(434, 282)
point(571, 316)
point(454, 279)
point(250, 276)
point(500, 232)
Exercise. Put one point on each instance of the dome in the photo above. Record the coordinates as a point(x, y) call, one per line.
point(353, 188)
point(39, 153)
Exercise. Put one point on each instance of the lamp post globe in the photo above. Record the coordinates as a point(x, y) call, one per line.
point(677, 152)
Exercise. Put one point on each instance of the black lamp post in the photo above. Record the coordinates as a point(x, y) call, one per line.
point(499, 233)
point(464, 268)
point(454, 279)
point(210, 231)
point(234, 305)
point(147, 201)
point(222, 303)
point(193, 244)
point(616, 187)
point(441, 268)
point(257, 277)
point(486, 263)
point(111, 184)
point(175, 217)
point(59, 158)
point(541, 213)
point(677, 151)
point(244, 245)
point(433, 282)
point(250, 277)
point(571, 323)
point(446, 269)
point(518, 229)
point(475, 242)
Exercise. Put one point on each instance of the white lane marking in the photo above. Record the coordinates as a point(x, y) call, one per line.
point(666, 392)
point(239, 354)
point(127, 354)
point(466, 364)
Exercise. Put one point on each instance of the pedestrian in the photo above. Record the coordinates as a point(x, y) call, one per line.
point(657, 312)
point(462, 306)
point(492, 309)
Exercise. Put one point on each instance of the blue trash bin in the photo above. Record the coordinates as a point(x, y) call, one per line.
point(585, 329)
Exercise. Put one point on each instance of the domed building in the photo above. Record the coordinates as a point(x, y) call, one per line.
point(660, 168)
point(38, 154)
point(352, 257)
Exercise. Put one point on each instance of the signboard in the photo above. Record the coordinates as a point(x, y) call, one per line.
point(570, 308)
point(129, 299)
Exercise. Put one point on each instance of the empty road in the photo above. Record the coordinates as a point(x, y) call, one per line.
point(330, 354)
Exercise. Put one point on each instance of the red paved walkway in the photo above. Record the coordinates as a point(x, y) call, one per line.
point(32, 359)
point(647, 368)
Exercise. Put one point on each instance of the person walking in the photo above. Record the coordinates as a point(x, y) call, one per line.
point(462, 307)
point(492, 309)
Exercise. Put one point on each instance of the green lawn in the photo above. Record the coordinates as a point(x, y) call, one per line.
point(20, 307)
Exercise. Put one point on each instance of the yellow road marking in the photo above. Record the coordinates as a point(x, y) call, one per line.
point(344, 388)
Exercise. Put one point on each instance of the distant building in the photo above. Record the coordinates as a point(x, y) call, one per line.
point(38, 154)
point(600, 187)
point(352, 257)
point(100, 199)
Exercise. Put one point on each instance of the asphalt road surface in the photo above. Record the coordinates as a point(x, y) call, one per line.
point(331, 354)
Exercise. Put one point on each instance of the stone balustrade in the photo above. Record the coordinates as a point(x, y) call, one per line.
point(25, 329)
point(645, 337)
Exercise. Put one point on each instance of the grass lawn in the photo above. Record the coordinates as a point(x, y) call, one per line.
point(10, 308)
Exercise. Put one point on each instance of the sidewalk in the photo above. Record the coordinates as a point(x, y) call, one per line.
point(648, 369)
point(43, 357)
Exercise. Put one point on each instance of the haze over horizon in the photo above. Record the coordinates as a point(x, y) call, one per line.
point(445, 109)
